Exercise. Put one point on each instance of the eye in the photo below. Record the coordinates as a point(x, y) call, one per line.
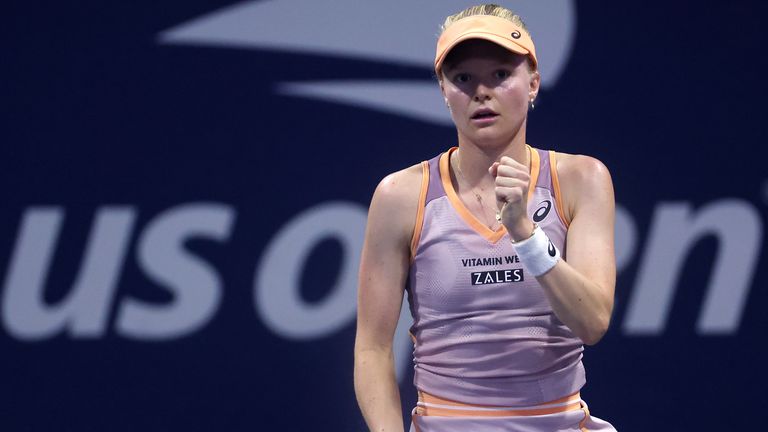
point(461, 77)
point(502, 73)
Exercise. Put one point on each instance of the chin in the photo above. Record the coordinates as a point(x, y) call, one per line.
point(493, 144)
point(494, 135)
point(490, 138)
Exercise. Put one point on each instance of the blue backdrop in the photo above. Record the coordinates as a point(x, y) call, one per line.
point(185, 186)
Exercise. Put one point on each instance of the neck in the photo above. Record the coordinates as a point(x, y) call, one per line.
point(474, 160)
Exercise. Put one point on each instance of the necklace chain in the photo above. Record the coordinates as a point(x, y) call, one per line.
point(479, 198)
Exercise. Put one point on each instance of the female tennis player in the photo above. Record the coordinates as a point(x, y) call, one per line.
point(506, 251)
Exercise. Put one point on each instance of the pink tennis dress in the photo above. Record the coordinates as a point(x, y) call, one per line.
point(490, 354)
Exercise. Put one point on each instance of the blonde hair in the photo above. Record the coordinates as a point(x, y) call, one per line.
point(485, 9)
point(490, 10)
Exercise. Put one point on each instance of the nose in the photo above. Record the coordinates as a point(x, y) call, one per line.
point(482, 93)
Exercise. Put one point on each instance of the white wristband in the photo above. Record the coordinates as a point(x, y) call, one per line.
point(537, 253)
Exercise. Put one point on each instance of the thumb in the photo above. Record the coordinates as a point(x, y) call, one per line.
point(493, 170)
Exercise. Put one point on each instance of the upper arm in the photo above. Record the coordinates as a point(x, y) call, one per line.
point(587, 192)
point(385, 259)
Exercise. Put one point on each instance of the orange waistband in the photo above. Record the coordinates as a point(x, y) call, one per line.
point(430, 405)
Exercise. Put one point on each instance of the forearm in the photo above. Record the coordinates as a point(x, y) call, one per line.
point(377, 391)
point(579, 291)
point(581, 304)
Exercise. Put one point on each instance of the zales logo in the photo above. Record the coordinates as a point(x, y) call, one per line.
point(498, 276)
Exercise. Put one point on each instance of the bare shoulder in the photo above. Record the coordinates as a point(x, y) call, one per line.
point(583, 179)
point(398, 191)
point(398, 187)
point(395, 203)
point(576, 168)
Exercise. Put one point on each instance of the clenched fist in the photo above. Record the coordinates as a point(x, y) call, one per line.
point(512, 180)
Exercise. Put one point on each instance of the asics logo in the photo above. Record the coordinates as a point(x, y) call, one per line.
point(542, 211)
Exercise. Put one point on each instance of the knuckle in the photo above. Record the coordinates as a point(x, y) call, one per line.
point(507, 170)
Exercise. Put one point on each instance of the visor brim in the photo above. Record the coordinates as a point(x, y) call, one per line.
point(498, 40)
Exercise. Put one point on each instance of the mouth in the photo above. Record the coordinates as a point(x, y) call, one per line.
point(484, 113)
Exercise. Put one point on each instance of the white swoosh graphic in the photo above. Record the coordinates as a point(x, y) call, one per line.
point(420, 100)
point(394, 31)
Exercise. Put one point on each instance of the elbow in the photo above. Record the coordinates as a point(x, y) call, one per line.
point(592, 338)
point(597, 326)
point(365, 356)
point(596, 330)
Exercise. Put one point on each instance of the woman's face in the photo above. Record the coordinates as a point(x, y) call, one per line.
point(488, 89)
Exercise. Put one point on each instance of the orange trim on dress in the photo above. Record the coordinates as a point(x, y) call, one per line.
point(556, 186)
point(413, 421)
point(420, 211)
point(535, 167)
point(583, 423)
point(458, 205)
point(430, 405)
point(430, 398)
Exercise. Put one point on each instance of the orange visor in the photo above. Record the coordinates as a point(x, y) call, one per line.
point(498, 30)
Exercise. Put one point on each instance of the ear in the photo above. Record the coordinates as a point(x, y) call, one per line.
point(535, 84)
point(442, 90)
